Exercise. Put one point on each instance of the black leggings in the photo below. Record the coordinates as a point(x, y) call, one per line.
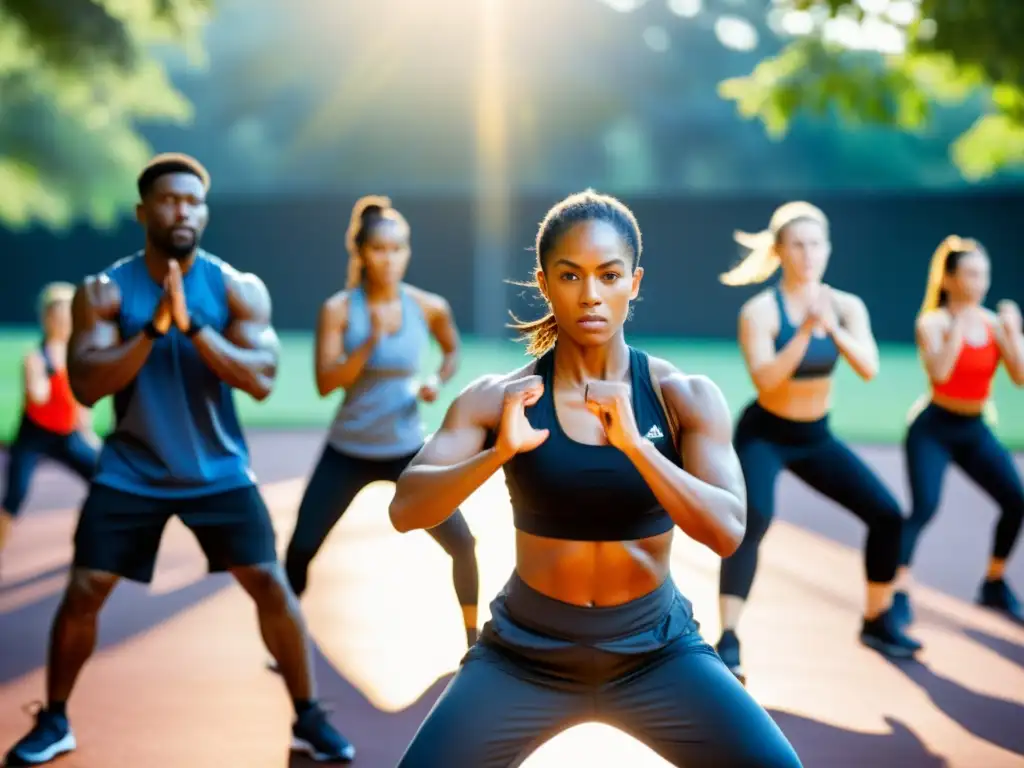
point(938, 437)
point(33, 443)
point(542, 666)
point(767, 444)
point(336, 481)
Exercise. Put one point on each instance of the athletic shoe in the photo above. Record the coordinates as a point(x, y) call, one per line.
point(997, 595)
point(884, 635)
point(50, 738)
point(315, 736)
point(902, 610)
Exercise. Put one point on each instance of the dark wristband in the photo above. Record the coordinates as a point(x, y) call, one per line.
point(150, 332)
point(193, 328)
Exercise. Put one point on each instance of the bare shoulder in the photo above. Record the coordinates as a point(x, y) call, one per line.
point(695, 400)
point(661, 368)
point(480, 402)
point(991, 317)
point(33, 360)
point(936, 320)
point(335, 307)
point(847, 302)
point(761, 310)
point(248, 296)
point(758, 305)
point(433, 304)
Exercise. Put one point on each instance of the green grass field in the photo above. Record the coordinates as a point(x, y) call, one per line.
point(864, 413)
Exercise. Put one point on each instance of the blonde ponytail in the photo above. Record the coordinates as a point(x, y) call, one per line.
point(934, 295)
point(763, 260)
point(760, 264)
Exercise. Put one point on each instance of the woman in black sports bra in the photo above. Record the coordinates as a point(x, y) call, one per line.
point(792, 334)
point(593, 437)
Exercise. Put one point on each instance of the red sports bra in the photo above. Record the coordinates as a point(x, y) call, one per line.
point(59, 414)
point(973, 372)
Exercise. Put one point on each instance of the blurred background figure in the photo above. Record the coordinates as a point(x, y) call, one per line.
point(962, 344)
point(791, 336)
point(53, 424)
point(370, 339)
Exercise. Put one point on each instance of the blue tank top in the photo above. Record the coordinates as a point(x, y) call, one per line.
point(821, 355)
point(569, 490)
point(379, 417)
point(176, 433)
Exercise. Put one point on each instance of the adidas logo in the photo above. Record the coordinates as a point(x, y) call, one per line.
point(654, 433)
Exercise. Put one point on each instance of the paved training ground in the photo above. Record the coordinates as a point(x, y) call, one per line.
point(178, 680)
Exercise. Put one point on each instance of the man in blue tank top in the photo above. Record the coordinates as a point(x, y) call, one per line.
point(170, 332)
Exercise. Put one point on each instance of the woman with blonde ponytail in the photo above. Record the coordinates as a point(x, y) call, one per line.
point(792, 335)
point(369, 341)
point(961, 345)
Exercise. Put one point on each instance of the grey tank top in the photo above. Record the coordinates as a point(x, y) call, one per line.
point(379, 417)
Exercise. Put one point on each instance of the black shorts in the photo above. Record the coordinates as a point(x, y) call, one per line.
point(119, 532)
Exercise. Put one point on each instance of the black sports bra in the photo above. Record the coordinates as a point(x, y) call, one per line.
point(569, 490)
point(821, 355)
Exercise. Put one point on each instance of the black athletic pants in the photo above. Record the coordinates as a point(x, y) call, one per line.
point(938, 437)
point(32, 443)
point(336, 481)
point(767, 444)
point(542, 666)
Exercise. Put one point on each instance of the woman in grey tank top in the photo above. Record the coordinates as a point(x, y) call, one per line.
point(369, 341)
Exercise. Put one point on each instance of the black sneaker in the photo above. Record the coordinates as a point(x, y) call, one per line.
point(902, 610)
point(315, 736)
point(997, 595)
point(728, 649)
point(50, 738)
point(884, 635)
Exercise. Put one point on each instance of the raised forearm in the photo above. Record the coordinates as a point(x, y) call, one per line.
point(772, 375)
point(426, 495)
point(709, 514)
point(38, 391)
point(343, 372)
point(449, 367)
point(862, 355)
point(97, 373)
point(939, 365)
point(250, 370)
point(1011, 347)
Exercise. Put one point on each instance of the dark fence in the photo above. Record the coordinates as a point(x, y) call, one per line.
point(882, 244)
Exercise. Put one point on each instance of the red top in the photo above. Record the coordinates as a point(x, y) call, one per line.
point(973, 372)
point(59, 414)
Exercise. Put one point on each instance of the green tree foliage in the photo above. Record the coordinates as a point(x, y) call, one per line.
point(892, 62)
point(76, 78)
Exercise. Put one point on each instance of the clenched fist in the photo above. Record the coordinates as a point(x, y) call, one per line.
point(429, 389)
point(1009, 316)
point(611, 402)
point(821, 315)
point(515, 433)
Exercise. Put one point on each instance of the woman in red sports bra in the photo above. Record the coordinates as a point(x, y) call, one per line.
point(961, 345)
point(53, 423)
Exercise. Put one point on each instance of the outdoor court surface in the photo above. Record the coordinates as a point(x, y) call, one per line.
point(178, 680)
